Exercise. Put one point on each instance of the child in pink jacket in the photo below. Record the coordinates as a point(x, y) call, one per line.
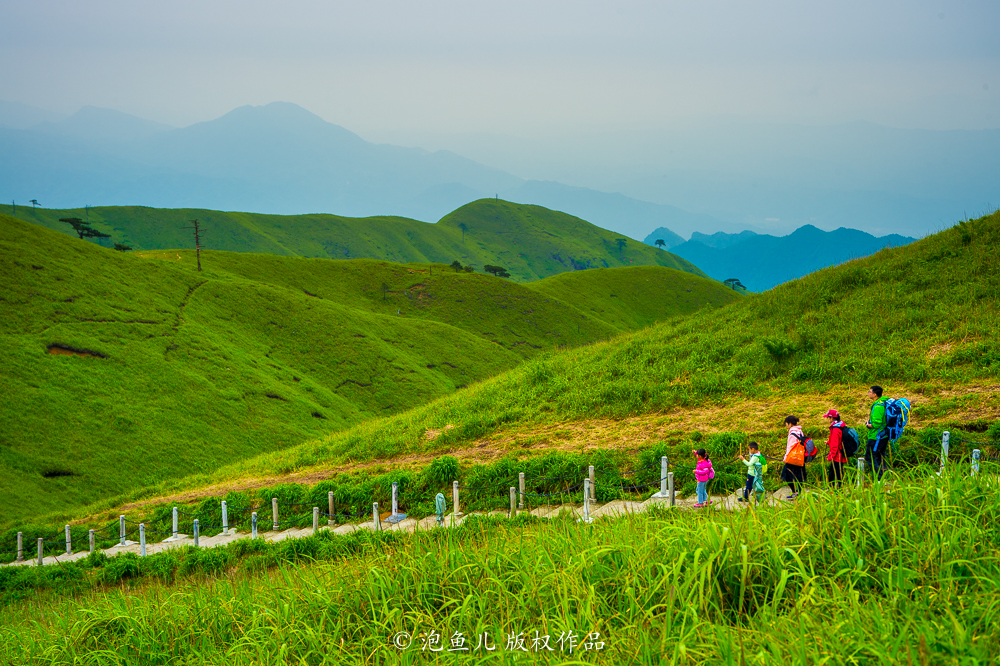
point(703, 473)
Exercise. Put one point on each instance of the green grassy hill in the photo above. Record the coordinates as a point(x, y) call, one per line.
point(924, 319)
point(532, 242)
point(631, 298)
point(122, 370)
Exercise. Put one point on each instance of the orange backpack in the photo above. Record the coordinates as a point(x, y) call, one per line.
point(797, 456)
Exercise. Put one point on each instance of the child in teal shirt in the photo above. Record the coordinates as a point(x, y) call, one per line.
point(755, 473)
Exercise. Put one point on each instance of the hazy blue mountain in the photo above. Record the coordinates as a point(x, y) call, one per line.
point(67, 172)
point(97, 124)
point(669, 238)
point(762, 261)
point(279, 158)
point(629, 217)
point(721, 240)
point(16, 115)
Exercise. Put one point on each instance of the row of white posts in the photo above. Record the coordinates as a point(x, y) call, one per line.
point(589, 495)
point(517, 496)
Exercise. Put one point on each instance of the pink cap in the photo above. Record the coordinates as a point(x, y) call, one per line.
point(832, 414)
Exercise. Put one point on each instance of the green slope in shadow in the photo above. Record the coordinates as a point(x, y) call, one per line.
point(190, 371)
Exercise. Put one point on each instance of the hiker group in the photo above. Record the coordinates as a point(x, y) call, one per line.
point(886, 420)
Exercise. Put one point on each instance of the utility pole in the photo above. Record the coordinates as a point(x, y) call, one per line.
point(197, 240)
point(86, 210)
point(13, 208)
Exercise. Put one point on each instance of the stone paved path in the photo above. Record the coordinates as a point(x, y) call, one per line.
point(615, 508)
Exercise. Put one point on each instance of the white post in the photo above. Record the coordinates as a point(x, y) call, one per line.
point(975, 461)
point(586, 500)
point(513, 501)
point(395, 504)
point(92, 539)
point(520, 487)
point(670, 488)
point(945, 439)
point(225, 518)
point(454, 498)
point(663, 476)
point(41, 550)
point(253, 525)
point(315, 519)
point(175, 523)
point(593, 484)
point(274, 514)
point(195, 532)
point(69, 542)
point(142, 539)
point(121, 524)
point(331, 509)
point(861, 470)
point(20, 546)
point(376, 522)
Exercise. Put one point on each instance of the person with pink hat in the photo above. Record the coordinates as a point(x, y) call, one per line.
point(836, 457)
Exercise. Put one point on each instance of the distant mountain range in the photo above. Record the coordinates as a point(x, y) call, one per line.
point(767, 177)
point(669, 238)
point(761, 261)
point(277, 158)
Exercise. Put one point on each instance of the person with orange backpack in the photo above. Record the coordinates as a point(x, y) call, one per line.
point(794, 471)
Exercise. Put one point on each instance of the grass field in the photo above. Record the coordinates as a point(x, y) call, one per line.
point(178, 372)
point(921, 320)
point(532, 242)
point(861, 577)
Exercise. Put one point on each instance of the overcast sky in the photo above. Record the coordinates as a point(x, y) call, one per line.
point(520, 67)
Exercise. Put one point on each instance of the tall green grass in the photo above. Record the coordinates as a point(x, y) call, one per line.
point(906, 574)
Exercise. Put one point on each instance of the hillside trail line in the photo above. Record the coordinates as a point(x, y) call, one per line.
point(180, 316)
point(759, 418)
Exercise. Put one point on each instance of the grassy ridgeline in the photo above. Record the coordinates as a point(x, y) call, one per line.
point(532, 242)
point(860, 577)
point(925, 315)
point(192, 370)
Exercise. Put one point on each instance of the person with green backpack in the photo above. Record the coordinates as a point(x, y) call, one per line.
point(756, 467)
point(878, 436)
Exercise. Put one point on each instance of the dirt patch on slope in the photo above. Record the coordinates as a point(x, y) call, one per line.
point(759, 418)
point(57, 349)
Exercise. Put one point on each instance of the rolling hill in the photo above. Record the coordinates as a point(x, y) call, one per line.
point(123, 369)
point(530, 241)
point(631, 298)
point(922, 320)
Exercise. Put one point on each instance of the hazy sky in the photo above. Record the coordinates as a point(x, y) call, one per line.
point(521, 67)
